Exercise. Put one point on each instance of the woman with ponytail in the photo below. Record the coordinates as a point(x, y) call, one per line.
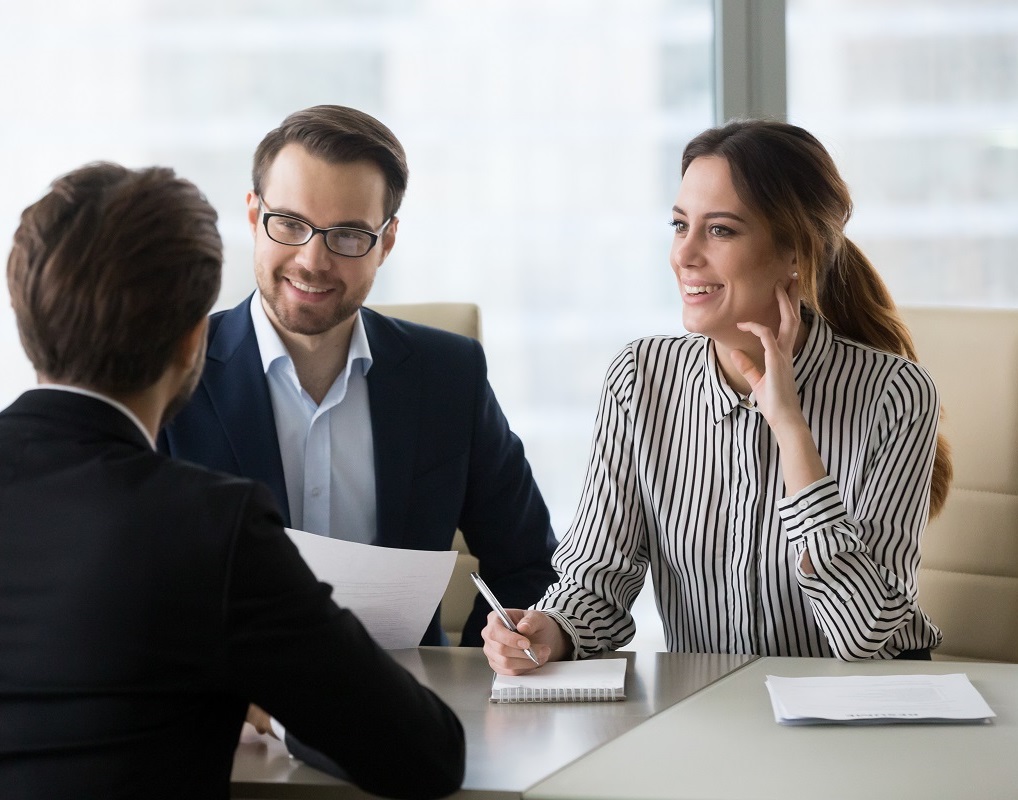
point(775, 467)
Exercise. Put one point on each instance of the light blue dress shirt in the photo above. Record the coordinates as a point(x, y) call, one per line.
point(327, 450)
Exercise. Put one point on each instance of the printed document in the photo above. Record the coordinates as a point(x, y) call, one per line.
point(877, 698)
point(393, 592)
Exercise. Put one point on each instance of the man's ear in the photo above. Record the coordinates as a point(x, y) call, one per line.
point(252, 212)
point(389, 239)
point(191, 348)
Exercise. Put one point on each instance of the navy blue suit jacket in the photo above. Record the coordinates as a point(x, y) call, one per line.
point(445, 457)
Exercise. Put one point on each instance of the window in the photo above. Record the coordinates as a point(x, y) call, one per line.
point(543, 140)
point(918, 103)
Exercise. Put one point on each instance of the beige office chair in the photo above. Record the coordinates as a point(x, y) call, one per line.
point(464, 318)
point(968, 580)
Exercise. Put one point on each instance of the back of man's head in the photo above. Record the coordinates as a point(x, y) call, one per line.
point(109, 271)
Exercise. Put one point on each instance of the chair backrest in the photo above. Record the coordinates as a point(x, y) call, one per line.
point(463, 318)
point(968, 580)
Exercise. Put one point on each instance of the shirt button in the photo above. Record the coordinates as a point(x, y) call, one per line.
point(316, 491)
point(808, 521)
point(803, 505)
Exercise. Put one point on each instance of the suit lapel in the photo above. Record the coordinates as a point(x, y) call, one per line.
point(394, 391)
point(240, 398)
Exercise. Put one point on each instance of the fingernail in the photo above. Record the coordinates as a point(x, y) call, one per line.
point(795, 274)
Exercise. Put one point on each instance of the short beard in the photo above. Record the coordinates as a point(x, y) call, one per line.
point(305, 321)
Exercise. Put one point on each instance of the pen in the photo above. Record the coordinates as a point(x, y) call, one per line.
point(497, 608)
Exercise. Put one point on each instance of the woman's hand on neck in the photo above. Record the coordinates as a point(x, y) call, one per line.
point(776, 394)
point(750, 350)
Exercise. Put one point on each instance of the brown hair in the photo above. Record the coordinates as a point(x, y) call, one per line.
point(109, 271)
point(338, 134)
point(786, 175)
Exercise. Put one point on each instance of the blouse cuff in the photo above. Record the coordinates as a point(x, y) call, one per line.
point(816, 507)
point(815, 519)
point(566, 625)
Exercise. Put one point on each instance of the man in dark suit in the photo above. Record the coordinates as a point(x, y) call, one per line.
point(365, 427)
point(145, 602)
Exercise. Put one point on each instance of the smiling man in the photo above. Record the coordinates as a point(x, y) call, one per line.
point(366, 428)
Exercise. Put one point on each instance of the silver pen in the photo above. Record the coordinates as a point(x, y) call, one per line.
point(497, 608)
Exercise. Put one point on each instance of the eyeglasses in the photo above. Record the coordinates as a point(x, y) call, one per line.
point(294, 231)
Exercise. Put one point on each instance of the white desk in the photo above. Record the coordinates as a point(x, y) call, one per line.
point(723, 744)
point(510, 747)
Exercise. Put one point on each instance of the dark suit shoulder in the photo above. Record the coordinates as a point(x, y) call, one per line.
point(196, 481)
point(215, 320)
point(230, 330)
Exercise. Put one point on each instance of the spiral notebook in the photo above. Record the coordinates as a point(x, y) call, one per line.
point(594, 680)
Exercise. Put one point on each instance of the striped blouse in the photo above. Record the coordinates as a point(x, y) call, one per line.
point(685, 477)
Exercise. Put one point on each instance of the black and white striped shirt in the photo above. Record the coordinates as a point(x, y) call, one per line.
point(685, 476)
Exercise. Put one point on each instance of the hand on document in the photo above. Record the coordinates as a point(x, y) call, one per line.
point(261, 721)
point(259, 726)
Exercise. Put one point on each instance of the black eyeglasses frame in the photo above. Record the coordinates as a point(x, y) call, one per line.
point(268, 213)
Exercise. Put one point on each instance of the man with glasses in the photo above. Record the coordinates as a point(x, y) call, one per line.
point(366, 428)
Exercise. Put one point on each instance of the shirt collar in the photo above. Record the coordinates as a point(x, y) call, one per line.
point(360, 350)
point(271, 347)
point(722, 399)
point(815, 349)
point(63, 387)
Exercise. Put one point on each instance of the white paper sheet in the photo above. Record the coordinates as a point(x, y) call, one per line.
point(877, 698)
point(393, 592)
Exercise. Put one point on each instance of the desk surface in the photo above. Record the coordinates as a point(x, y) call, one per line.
point(510, 747)
point(723, 744)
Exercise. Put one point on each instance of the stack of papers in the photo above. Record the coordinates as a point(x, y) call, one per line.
point(884, 698)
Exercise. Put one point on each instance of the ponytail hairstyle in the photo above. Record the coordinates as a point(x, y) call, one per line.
point(786, 175)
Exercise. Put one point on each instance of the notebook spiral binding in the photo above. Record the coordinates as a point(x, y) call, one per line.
point(520, 694)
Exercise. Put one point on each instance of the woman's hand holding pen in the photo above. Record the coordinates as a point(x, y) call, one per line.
point(536, 630)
